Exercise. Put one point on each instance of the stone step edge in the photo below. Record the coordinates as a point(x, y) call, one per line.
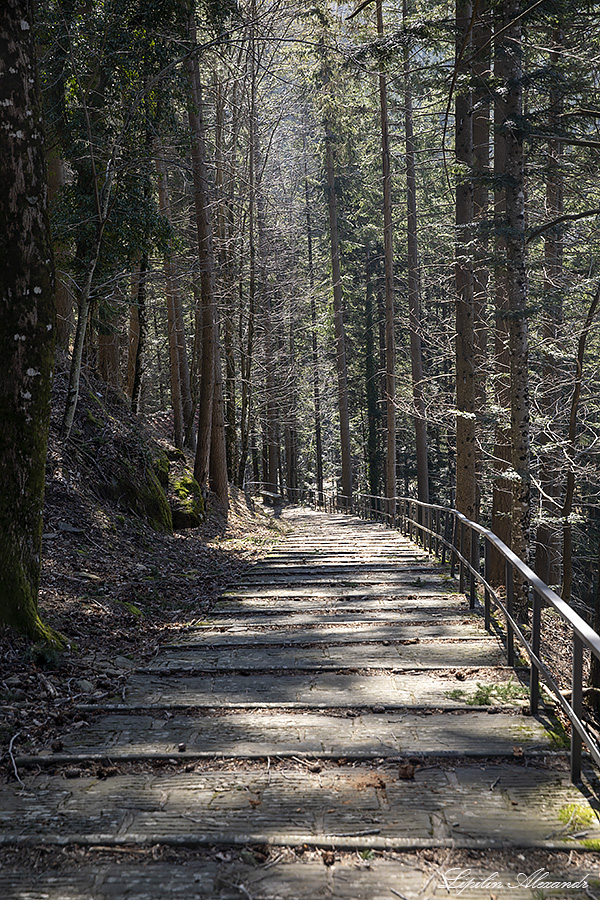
point(455, 612)
point(292, 704)
point(369, 839)
point(306, 644)
point(455, 616)
point(308, 671)
point(108, 758)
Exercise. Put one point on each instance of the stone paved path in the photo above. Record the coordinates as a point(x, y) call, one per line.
point(342, 707)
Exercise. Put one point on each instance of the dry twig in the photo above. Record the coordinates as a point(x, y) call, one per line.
point(12, 758)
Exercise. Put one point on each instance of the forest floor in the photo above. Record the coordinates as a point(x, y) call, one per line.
point(111, 584)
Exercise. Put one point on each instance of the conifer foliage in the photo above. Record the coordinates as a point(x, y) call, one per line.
point(345, 248)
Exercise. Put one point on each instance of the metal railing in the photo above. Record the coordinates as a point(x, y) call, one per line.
point(468, 547)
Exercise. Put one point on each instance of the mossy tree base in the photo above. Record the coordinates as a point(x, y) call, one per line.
point(27, 319)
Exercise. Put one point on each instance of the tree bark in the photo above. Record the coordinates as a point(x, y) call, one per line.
point(206, 264)
point(108, 355)
point(414, 301)
point(314, 343)
point(517, 292)
point(142, 330)
point(63, 297)
point(80, 333)
point(177, 344)
point(502, 486)
point(133, 329)
point(27, 323)
point(567, 507)
point(372, 392)
point(548, 536)
point(388, 252)
point(219, 482)
point(338, 318)
point(211, 389)
point(226, 267)
point(481, 47)
point(465, 349)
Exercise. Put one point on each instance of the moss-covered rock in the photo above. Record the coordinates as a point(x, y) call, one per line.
point(143, 494)
point(175, 455)
point(187, 505)
point(160, 466)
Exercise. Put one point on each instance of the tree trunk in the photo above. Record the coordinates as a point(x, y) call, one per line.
point(218, 451)
point(27, 323)
point(226, 266)
point(206, 262)
point(481, 174)
point(314, 344)
point(517, 288)
point(595, 662)
point(178, 344)
point(502, 487)
point(338, 317)
point(388, 251)
point(371, 392)
point(142, 330)
point(567, 508)
point(548, 536)
point(64, 299)
point(108, 356)
point(465, 349)
point(80, 332)
point(414, 301)
point(133, 331)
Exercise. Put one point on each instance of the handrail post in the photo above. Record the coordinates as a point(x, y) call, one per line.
point(486, 596)
point(446, 534)
point(454, 549)
point(430, 520)
point(510, 603)
point(534, 675)
point(577, 705)
point(474, 568)
point(461, 565)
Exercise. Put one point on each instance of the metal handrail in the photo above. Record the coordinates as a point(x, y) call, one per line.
point(426, 520)
point(447, 532)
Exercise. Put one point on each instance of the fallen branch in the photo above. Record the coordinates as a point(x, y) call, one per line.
point(12, 758)
point(585, 692)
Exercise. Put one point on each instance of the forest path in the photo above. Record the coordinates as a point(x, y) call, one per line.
point(341, 705)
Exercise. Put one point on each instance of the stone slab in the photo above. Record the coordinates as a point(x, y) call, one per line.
point(352, 569)
point(394, 585)
point(347, 879)
point(338, 599)
point(352, 632)
point(256, 734)
point(318, 616)
point(365, 574)
point(330, 690)
point(331, 657)
point(495, 806)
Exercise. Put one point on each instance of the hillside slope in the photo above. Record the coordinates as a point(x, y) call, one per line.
point(116, 579)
